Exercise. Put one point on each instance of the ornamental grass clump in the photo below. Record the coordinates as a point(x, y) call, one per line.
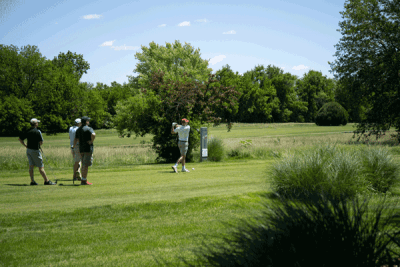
point(380, 168)
point(321, 232)
point(324, 169)
point(216, 149)
point(334, 170)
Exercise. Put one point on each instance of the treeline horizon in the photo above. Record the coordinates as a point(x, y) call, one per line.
point(51, 90)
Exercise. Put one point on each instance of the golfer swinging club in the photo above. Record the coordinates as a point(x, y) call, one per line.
point(35, 140)
point(183, 143)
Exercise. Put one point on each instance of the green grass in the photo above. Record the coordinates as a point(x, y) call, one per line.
point(128, 217)
point(137, 211)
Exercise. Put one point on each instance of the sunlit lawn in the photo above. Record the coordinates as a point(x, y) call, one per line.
point(137, 213)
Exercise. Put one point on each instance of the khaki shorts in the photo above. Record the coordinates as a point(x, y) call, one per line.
point(34, 157)
point(76, 154)
point(87, 159)
point(183, 147)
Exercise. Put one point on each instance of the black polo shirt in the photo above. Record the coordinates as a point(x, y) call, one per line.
point(34, 136)
point(84, 133)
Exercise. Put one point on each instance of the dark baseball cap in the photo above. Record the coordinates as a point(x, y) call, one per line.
point(85, 118)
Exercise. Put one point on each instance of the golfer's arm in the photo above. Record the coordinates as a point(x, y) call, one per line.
point(41, 142)
point(76, 140)
point(172, 130)
point(93, 137)
point(22, 142)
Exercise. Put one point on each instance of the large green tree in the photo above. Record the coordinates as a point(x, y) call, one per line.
point(316, 90)
point(79, 66)
point(154, 109)
point(368, 60)
point(173, 59)
point(47, 87)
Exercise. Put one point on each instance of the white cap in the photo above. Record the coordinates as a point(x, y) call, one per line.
point(34, 120)
point(77, 121)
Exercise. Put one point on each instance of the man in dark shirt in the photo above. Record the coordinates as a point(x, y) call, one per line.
point(35, 140)
point(85, 136)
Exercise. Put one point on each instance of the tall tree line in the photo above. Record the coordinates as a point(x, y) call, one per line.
point(33, 86)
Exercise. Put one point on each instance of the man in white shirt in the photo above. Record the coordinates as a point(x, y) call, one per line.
point(183, 143)
point(75, 150)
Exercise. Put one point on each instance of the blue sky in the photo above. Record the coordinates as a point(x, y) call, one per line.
point(296, 36)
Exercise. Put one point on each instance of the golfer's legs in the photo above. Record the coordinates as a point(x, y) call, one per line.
point(31, 172)
point(87, 160)
point(43, 173)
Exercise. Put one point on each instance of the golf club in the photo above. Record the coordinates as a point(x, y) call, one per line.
point(47, 162)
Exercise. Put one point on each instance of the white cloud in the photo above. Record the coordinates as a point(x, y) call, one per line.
point(107, 43)
point(124, 47)
point(300, 67)
point(202, 20)
point(282, 68)
point(185, 23)
point(92, 16)
point(216, 59)
point(162, 25)
point(230, 32)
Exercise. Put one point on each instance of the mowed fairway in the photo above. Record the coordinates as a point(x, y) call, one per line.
point(133, 214)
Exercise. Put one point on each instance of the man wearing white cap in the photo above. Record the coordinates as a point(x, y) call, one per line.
point(76, 155)
point(35, 140)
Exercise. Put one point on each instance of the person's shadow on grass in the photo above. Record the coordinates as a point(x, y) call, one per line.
point(17, 184)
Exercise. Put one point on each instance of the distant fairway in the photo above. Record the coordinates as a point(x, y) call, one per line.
point(135, 213)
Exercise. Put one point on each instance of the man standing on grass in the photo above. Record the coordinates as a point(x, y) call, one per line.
point(85, 137)
point(35, 140)
point(183, 142)
point(76, 155)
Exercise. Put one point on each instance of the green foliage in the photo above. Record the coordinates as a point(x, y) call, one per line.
point(15, 115)
point(368, 61)
point(334, 172)
point(216, 149)
point(315, 90)
point(166, 101)
point(331, 114)
point(258, 99)
point(324, 169)
point(78, 65)
point(380, 169)
point(310, 234)
point(51, 87)
point(173, 59)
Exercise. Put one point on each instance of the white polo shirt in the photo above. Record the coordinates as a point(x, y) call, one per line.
point(72, 132)
point(183, 132)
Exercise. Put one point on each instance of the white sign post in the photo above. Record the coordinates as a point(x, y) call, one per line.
point(203, 144)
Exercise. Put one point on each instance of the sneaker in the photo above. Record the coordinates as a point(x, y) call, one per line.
point(34, 183)
point(85, 183)
point(49, 183)
point(185, 170)
point(174, 168)
point(78, 176)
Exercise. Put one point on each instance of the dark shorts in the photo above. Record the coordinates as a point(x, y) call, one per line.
point(87, 159)
point(183, 147)
point(34, 157)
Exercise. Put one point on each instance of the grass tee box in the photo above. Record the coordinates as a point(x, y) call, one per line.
point(128, 217)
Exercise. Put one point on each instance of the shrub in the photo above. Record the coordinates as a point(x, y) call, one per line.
point(322, 169)
point(216, 150)
point(331, 113)
point(333, 171)
point(380, 169)
point(239, 153)
point(322, 232)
